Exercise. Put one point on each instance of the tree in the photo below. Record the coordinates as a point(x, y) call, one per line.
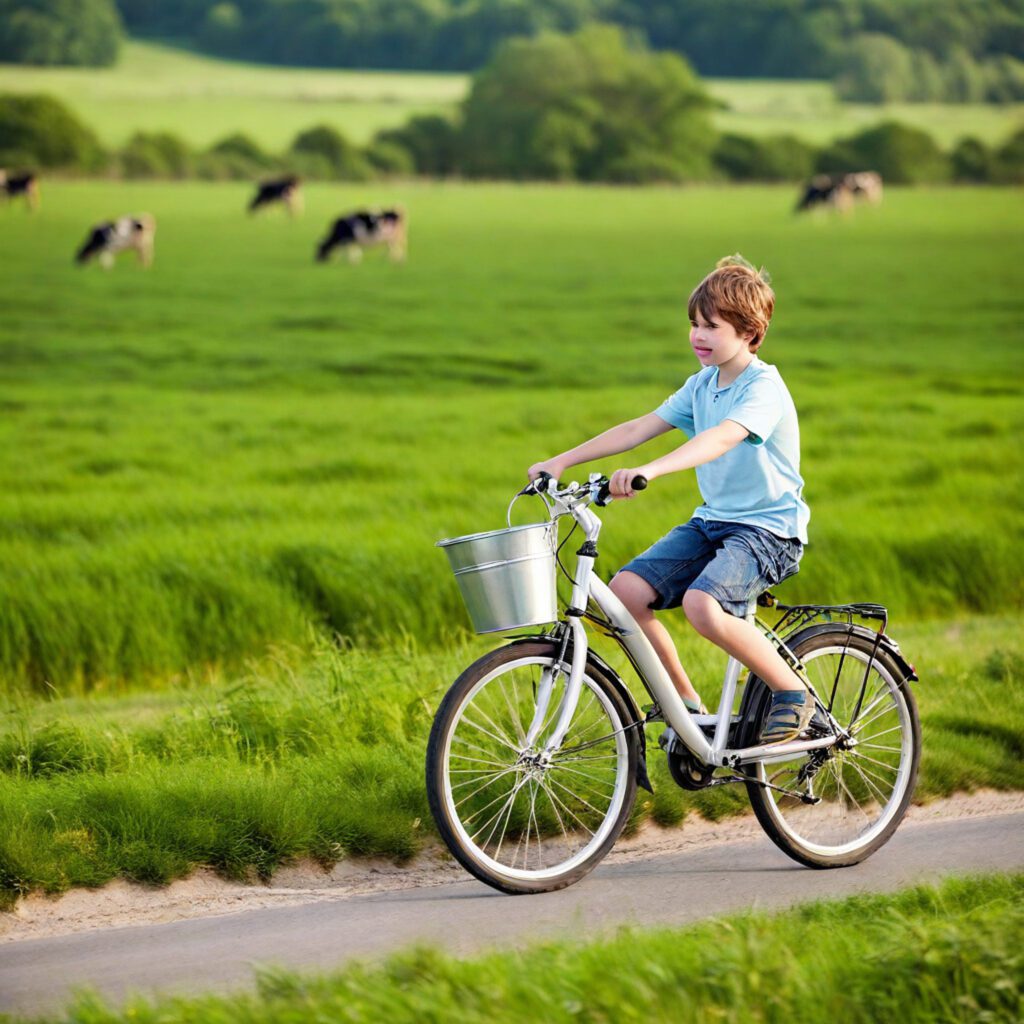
point(876, 69)
point(581, 105)
point(82, 32)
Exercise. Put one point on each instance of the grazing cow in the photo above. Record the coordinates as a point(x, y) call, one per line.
point(866, 186)
point(356, 231)
point(25, 185)
point(826, 191)
point(106, 240)
point(280, 190)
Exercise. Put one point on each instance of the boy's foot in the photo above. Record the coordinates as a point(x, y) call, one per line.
point(788, 715)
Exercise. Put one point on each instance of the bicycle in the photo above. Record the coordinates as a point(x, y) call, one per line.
point(538, 748)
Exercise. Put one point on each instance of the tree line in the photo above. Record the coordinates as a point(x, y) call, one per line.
point(874, 50)
point(591, 106)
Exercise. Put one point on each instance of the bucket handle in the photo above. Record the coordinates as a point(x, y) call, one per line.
point(517, 496)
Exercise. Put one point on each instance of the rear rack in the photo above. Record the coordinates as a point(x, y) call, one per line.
point(796, 616)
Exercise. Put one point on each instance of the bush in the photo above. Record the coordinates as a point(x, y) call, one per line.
point(390, 158)
point(775, 158)
point(324, 152)
point(243, 147)
point(1009, 160)
point(971, 161)
point(41, 131)
point(83, 32)
point(431, 140)
point(156, 155)
point(902, 155)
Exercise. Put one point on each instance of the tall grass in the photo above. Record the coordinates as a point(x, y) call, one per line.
point(239, 449)
point(326, 761)
point(945, 953)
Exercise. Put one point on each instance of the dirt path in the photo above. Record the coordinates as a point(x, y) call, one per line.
point(204, 894)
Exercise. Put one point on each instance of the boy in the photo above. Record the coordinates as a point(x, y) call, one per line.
point(749, 533)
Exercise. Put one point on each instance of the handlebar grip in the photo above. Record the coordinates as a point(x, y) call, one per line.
point(604, 495)
point(542, 481)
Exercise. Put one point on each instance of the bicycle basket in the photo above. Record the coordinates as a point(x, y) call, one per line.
point(507, 577)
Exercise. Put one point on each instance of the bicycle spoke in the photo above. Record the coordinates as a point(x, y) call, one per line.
point(513, 713)
point(469, 796)
point(486, 732)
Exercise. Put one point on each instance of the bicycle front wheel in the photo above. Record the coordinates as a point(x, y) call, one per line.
point(519, 818)
point(862, 787)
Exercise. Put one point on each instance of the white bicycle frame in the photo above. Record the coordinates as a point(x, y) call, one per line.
point(587, 586)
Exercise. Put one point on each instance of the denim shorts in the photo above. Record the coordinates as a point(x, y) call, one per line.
point(733, 562)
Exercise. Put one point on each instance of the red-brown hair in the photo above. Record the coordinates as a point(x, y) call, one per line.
point(738, 293)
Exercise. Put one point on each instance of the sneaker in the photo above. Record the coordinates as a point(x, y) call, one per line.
point(789, 714)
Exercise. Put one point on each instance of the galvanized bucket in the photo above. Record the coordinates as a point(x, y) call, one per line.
point(507, 577)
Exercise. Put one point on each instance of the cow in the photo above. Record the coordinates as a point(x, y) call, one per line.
point(24, 184)
point(824, 190)
point(280, 190)
point(357, 231)
point(866, 186)
point(841, 191)
point(106, 240)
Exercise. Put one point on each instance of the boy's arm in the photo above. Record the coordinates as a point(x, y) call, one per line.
point(704, 447)
point(618, 439)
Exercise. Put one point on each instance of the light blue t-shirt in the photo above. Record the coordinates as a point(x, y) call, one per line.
point(758, 481)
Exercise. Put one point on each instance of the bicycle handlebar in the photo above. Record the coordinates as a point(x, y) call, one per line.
point(546, 482)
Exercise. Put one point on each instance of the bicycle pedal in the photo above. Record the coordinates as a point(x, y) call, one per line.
point(652, 713)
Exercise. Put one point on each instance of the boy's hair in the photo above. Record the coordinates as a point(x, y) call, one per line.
point(740, 294)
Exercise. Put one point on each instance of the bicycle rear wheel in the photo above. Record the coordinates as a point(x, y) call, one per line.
point(516, 818)
point(863, 787)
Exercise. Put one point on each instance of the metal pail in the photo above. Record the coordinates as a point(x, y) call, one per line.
point(507, 577)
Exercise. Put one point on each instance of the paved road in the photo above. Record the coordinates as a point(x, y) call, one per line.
point(220, 953)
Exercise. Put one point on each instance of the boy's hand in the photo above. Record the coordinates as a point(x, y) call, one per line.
point(551, 466)
point(620, 484)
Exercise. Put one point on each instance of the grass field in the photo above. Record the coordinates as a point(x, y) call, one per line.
point(948, 953)
point(213, 468)
point(239, 446)
point(156, 87)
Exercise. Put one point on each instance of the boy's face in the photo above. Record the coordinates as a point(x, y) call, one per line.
point(715, 341)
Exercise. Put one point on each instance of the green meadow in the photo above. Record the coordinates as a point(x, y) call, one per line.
point(224, 626)
point(156, 87)
point(240, 448)
point(945, 953)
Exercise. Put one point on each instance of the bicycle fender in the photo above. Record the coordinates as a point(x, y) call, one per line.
point(602, 668)
point(756, 692)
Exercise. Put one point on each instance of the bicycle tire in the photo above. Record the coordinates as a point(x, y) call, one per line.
point(500, 690)
point(833, 833)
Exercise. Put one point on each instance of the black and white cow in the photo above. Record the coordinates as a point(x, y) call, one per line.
point(129, 233)
point(25, 185)
point(841, 191)
point(280, 190)
point(357, 231)
point(826, 190)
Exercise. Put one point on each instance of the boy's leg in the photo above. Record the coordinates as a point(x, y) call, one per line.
point(637, 595)
point(792, 707)
point(740, 638)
